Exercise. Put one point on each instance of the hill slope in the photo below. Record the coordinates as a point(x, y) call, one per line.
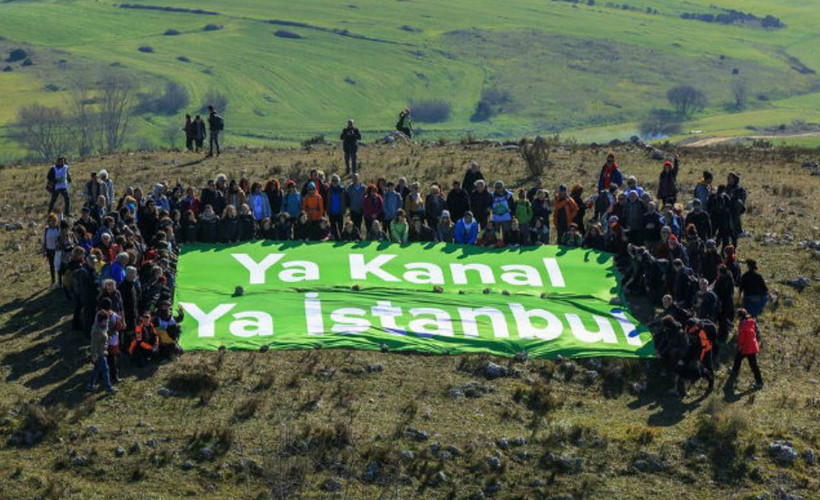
point(343, 423)
point(590, 69)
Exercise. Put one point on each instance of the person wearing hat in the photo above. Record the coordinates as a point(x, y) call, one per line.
point(610, 175)
point(350, 138)
point(668, 182)
point(291, 201)
point(503, 206)
point(632, 185)
point(466, 231)
point(710, 261)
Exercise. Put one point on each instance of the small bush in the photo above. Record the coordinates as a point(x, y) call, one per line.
point(193, 381)
point(247, 409)
point(491, 104)
point(212, 27)
point(266, 381)
point(317, 139)
point(146, 49)
point(174, 98)
point(431, 110)
point(287, 34)
point(183, 59)
point(36, 423)
point(171, 33)
point(216, 99)
point(660, 122)
point(27, 62)
point(536, 153)
point(17, 55)
point(219, 437)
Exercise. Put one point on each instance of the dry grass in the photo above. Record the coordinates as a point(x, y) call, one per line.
point(264, 408)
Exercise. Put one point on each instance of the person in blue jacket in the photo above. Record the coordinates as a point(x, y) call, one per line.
point(292, 201)
point(466, 230)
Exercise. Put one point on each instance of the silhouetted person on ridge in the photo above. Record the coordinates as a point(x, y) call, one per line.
point(216, 125)
point(350, 138)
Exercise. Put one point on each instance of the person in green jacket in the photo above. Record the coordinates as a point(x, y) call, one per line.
point(524, 213)
point(398, 228)
point(573, 237)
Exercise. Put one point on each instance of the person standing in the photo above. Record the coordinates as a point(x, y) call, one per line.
point(405, 123)
point(58, 180)
point(668, 182)
point(200, 133)
point(99, 354)
point(747, 347)
point(188, 128)
point(350, 138)
point(471, 176)
point(108, 188)
point(216, 124)
point(752, 290)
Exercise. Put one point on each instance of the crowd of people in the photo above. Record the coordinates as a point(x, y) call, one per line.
point(117, 260)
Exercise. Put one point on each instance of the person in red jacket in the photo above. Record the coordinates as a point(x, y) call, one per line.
point(747, 347)
point(373, 205)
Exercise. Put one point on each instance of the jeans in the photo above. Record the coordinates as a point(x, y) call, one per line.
point(100, 370)
point(754, 304)
point(66, 200)
point(215, 141)
point(351, 157)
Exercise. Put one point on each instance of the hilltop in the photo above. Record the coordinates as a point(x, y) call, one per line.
point(591, 70)
point(357, 424)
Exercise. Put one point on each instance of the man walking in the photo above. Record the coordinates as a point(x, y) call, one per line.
point(199, 132)
point(350, 138)
point(216, 124)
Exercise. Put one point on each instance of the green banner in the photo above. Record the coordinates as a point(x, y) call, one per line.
point(431, 298)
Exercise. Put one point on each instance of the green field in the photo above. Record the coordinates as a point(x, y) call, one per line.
point(589, 71)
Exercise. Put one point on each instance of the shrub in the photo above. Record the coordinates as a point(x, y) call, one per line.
point(36, 422)
point(183, 59)
point(17, 55)
point(287, 34)
point(491, 104)
point(170, 102)
point(190, 380)
point(247, 409)
point(212, 27)
point(536, 153)
point(317, 139)
point(660, 122)
point(27, 62)
point(171, 33)
point(431, 110)
point(686, 99)
point(146, 49)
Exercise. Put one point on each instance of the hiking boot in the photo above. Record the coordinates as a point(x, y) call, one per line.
point(758, 386)
point(90, 388)
point(112, 391)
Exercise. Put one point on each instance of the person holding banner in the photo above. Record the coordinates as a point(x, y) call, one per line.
point(466, 231)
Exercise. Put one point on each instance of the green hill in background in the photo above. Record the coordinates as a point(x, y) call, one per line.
point(589, 69)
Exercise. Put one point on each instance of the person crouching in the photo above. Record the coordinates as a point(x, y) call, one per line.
point(146, 342)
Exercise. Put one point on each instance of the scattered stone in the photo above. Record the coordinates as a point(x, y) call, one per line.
point(798, 283)
point(453, 450)
point(494, 462)
point(332, 484)
point(205, 453)
point(377, 368)
point(92, 429)
point(16, 247)
point(238, 291)
point(187, 465)
point(406, 455)
point(79, 461)
point(590, 376)
point(809, 458)
point(456, 393)
point(165, 392)
point(135, 448)
point(14, 226)
point(537, 482)
point(639, 387)
point(417, 434)
point(522, 356)
point(445, 456)
point(151, 443)
point(372, 472)
point(119, 451)
point(440, 478)
point(503, 443)
point(494, 487)
point(492, 371)
point(783, 452)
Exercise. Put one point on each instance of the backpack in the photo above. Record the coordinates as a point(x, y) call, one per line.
point(220, 122)
point(51, 180)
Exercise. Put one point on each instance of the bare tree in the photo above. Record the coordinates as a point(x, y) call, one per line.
point(84, 118)
point(686, 99)
point(116, 103)
point(741, 94)
point(43, 131)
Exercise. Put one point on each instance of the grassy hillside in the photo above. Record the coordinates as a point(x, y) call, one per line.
point(586, 70)
point(343, 423)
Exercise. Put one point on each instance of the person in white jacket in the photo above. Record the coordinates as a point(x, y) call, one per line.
point(108, 182)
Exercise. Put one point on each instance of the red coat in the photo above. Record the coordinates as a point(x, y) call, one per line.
point(747, 337)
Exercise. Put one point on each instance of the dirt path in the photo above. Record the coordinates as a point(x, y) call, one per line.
point(711, 141)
